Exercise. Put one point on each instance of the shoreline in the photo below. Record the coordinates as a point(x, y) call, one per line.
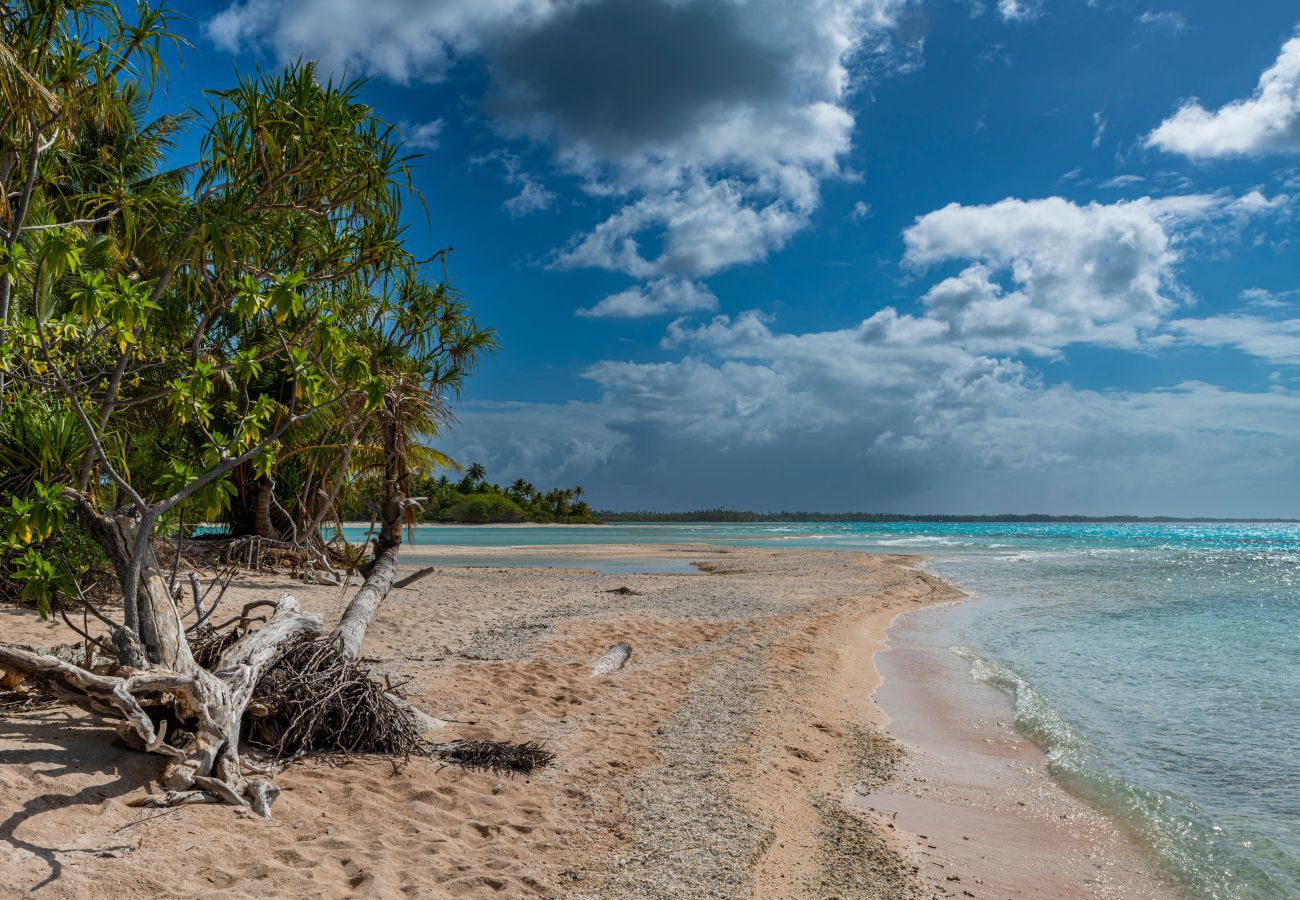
point(729, 758)
point(977, 797)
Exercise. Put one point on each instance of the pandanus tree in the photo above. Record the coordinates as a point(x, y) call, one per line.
point(188, 325)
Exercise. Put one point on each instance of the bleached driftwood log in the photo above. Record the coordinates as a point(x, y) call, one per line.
point(208, 705)
point(614, 658)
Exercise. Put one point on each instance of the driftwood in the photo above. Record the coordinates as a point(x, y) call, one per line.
point(191, 708)
point(612, 660)
point(210, 705)
point(415, 576)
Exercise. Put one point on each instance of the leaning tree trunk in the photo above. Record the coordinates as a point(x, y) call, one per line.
point(152, 623)
point(356, 619)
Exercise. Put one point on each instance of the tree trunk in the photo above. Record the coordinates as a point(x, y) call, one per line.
point(150, 613)
point(352, 627)
point(263, 493)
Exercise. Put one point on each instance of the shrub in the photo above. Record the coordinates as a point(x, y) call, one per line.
point(481, 508)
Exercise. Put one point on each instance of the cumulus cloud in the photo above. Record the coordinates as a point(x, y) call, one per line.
point(709, 126)
point(707, 227)
point(1041, 274)
point(658, 297)
point(1267, 122)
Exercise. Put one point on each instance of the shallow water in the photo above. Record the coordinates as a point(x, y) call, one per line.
point(1159, 665)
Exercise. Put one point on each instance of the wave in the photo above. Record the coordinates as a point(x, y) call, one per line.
point(1188, 842)
point(1034, 716)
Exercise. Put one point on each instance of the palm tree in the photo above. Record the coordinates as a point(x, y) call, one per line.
point(520, 489)
point(476, 473)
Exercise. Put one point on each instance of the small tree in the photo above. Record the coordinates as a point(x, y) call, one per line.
point(231, 312)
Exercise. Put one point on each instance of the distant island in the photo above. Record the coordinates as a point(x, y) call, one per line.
point(473, 500)
point(724, 515)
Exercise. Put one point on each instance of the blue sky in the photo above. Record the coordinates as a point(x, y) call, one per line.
point(938, 255)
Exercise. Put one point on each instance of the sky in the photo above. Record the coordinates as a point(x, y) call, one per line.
point(976, 256)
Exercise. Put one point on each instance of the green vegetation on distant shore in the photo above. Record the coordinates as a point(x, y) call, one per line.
point(475, 501)
point(722, 514)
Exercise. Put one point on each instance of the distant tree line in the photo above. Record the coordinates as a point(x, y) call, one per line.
point(724, 515)
point(472, 499)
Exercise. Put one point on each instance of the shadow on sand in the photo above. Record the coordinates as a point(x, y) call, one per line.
point(64, 742)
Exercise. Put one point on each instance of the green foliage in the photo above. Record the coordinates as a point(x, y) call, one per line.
point(40, 441)
point(172, 341)
point(482, 508)
point(40, 549)
point(474, 500)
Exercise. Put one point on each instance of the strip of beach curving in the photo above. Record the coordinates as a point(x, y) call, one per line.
point(737, 753)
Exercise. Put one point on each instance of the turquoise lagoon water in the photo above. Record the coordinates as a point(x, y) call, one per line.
point(1158, 665)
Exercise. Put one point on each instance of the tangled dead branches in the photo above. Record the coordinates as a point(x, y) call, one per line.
point(207, 644)
point(315, 698)
point(495, 756)
point(24, 701)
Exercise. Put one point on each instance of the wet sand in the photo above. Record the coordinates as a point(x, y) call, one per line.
point(975, 797)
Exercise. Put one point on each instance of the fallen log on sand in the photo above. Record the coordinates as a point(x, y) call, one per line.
point(614, 658)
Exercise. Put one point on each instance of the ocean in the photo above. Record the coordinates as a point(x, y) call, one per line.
point(1158, 665)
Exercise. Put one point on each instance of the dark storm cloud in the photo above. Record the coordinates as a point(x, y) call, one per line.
point(620, 74)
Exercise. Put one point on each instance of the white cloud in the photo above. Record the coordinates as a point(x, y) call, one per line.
point(1169, 20)
point(860, 211)
point(532, 197)
point(1267, 122)
point(658, 297)
point(1099, 129)
point(1042, 274)
point(1120, 182)
point(1261, 298)
point(1274, 340)
point(706, 227)
point(1020, 10)
point(423, 136)
point(710, 126)
point(402, 40)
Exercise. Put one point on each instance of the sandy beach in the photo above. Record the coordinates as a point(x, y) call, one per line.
point(739, 753)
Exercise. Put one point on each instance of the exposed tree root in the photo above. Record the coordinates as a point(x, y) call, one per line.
point(203, 708)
